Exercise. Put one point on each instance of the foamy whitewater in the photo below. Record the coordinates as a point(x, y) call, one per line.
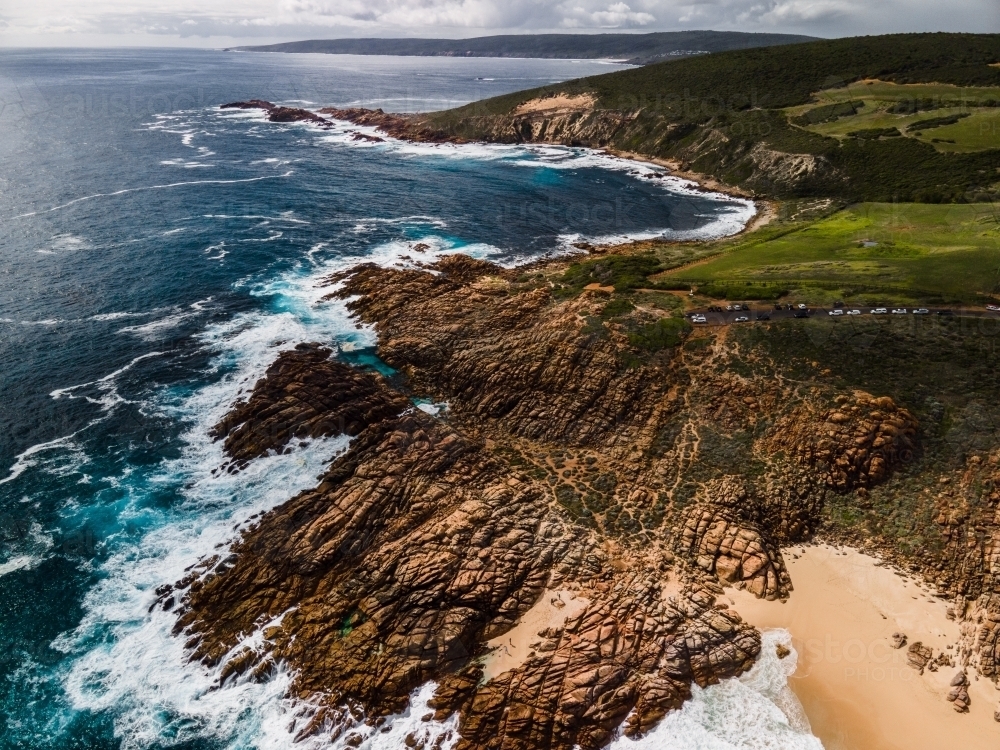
point(160, 253)
point(756, 711)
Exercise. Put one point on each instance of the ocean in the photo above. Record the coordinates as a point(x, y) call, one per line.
point(156, 253)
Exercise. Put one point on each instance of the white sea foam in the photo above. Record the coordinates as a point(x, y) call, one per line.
point(32, 456)
point(32, 550)
point(219, 248)
point(107, 395)
point(371, 223)
point(155, 329)
point(756, 711)
point(271, 237)
point(185, 163)
point(431, 407)
point(733, 216)
point(284, 216)
point(127, 661)
point(141, 673)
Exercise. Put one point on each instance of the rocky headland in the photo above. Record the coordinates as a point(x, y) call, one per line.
point(572, 458)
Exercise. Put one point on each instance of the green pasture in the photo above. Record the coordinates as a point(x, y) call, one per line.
point(904, 106)
point(906, 251)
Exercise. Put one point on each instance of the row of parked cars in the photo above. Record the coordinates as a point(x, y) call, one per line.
point(801, 310)
point(881, 311)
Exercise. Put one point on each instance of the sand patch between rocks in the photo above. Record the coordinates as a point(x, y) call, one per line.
point(510, 650)
point(857, 690)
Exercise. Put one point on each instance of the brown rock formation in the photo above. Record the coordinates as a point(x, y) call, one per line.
point(856, 444)
point(305, 394)
point(405, 127)
point(568, 459)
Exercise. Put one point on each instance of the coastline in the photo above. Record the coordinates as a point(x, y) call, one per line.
point(409, 128)
point(766, 209)
point(858, 691)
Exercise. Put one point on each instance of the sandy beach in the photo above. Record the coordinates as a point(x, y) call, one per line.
point(511, 649)
point(857, 690)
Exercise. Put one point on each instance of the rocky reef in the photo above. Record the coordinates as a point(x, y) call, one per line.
point(277, 113)
point(569, 460)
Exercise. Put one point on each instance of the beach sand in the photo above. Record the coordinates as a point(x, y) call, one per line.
point(511, 649)
point(857, 690)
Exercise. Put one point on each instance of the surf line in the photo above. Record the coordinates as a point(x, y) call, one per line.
point(154, 187)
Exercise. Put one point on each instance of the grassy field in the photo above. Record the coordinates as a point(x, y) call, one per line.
point(884, 105)
point(919, 252)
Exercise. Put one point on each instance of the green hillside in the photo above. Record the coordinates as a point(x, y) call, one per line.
point(738, 117)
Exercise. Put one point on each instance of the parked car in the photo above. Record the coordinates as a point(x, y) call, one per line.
point(699, 319)
point(778, 306)
point(763, 316)
point(994, 308)
point(879, 311)
point(853, 312)
point(899, 311)
point(836, 312)
point(729, 307)
point(741, 319)
point(921, 311)
point(802, 306)
point(801, 313)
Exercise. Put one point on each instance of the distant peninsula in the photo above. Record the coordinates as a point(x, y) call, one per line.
point(638, 49)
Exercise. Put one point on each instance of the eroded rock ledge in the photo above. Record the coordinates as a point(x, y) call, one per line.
point(567, 459)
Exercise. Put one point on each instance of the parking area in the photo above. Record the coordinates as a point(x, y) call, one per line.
point(733, 313)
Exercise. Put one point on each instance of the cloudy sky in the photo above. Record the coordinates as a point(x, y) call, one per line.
point(213, 23)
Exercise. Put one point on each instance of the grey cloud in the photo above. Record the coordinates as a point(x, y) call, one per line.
point(232, 21)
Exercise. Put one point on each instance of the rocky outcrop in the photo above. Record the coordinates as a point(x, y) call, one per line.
point(404, 127)
point(568, 458)
point(277, 113)
point(305, 394)
point(959, 693)
point(856, 444)
point(249, 104)
point(515, 363)
point(415, 548)
point(735, 553)
point(626, 660)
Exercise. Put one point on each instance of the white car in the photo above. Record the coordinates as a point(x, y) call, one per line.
point(879, 311)
point(729, 307)
point(802, 306)
point(741, 319)
point(836, 312)
point(699, 319)
point(853, 312)
point(921, 311)
point(899, 311)
point(994, 308)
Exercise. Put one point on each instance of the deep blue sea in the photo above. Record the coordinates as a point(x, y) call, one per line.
point(155, 255)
